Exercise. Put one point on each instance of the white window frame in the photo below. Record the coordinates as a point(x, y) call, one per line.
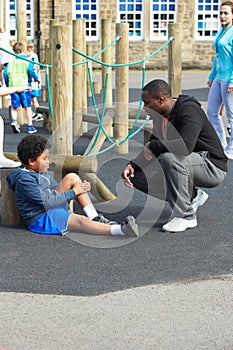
point(89, 22)
point(210, 23)
point(11, 19)
point(137, 17)
point(162, 28)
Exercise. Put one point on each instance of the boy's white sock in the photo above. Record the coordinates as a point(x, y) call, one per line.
point(116, 230)
point(90, 212)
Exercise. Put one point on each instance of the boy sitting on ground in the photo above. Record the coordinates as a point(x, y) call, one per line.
point(44, 204)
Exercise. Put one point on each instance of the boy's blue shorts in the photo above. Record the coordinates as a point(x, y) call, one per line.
point(53, 222)
point(21, 99)
point(35, 93)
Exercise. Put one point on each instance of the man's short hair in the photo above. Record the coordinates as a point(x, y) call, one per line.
point(157, 87)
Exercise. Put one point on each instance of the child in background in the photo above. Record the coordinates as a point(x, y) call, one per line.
point(19, 72)
point(5, 162)
point(43, 203)
point(36, 90)
point(4, 56)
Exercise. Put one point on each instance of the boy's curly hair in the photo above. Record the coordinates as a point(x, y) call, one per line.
point(31, 147)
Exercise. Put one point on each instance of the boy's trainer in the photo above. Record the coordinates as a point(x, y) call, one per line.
point(37, 117)
point(31, 129)
point(129, 227)
point(15, 126)
point(101, 218)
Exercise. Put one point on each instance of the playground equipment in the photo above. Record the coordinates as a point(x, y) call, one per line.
point(121, 121)
point(62, 78)
point(65, 112)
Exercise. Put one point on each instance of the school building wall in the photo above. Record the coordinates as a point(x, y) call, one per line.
point(195, 54)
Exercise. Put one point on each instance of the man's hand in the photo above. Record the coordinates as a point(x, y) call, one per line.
point(147, 152)
point(127, 174)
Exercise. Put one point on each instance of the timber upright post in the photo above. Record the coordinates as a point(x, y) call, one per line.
point(89, 53)
point(21, 21)
point(50, 48)
point(122, 86)
point(174, 59)
point(84, 70)
point(21, 37)
point(106, 39)
point(78, 31)
point(62, 89)
point(2, 14)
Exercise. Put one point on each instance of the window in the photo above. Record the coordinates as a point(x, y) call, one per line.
point(162, 13)
point(89, 10)
point(207, 21)
point(131, 11)
point(11, 19)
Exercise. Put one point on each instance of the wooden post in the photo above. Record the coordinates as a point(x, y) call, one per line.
point(84, 71)
point(122, 86)
point(9, 210)
point(2, 14)
point(21, 116)
point(62, 89)
point(174, 59)
point(96, 87)
point(66, 163)
point(78, 31)
point(89, 53)
point(106, 39)
point(49, 59)
point(5, 102)
point(21, 21)
point(98, 188)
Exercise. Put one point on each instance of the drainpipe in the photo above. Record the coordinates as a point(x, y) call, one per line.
point(38, 32)
point(53, 9)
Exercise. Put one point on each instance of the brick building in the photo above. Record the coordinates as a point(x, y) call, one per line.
point(148, 25)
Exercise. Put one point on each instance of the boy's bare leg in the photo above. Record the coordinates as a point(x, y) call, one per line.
point(1, 74)
point(35, 103)
point(29, 115)
point(14, 113)
point(83, 224)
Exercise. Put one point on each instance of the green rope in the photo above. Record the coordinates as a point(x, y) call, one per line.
point(121, 141)
point(126, 64)
point(100, 119)
point(131, 132)
point(99, 53)
point(26, 59)
point(140, 102)
point(49, 92)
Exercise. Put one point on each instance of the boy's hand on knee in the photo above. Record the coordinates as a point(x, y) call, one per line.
point(81, 188)
point(86, 186)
